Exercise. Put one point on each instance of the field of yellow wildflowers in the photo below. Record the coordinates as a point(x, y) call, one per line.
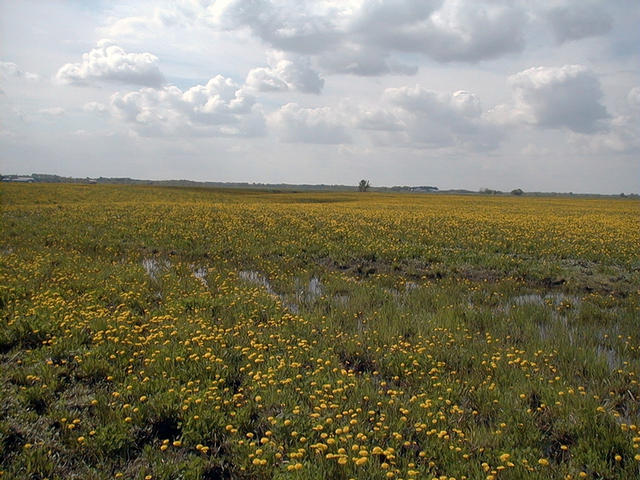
point(171, 333)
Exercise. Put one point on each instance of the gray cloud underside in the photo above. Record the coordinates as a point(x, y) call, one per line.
point(569, 96)
point(438, 120)
point(362, 37)
point(577, 21)
point(562, 98)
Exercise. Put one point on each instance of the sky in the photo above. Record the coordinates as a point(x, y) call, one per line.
point(542, 96)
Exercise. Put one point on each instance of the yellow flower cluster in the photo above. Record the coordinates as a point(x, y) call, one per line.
point(309, 335)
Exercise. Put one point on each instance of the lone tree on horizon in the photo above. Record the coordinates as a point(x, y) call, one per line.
point(363, 186)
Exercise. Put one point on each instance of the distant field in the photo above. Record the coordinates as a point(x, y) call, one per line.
point(165, 333)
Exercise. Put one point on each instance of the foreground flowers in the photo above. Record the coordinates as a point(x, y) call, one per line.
point(167, 333)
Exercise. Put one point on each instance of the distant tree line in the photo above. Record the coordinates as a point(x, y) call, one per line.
point(489, 191)
point(363, 186)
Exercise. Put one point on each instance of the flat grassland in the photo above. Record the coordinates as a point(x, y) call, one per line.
point(165, 333)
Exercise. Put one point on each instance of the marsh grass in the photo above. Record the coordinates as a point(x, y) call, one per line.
point(207, 334)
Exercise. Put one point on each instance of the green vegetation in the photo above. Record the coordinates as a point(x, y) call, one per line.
point(162, 333)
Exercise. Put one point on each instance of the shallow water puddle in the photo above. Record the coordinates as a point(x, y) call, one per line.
point(409, 285)
point(549, 300)
point(309, 292)
point(257, 278)
point(315, 287)
point(155, 267)
point(201, 274)
point(305, 293)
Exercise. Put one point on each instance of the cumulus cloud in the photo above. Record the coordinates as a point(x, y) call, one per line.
point(110, 63)
point(440, 105)
point(95, 107)
point(219, 108)
point(8, 134)
point(368, 37)
point(285, 72)
point(301, 27)
point(52, 111)
point(358, 59)
point(359, 37)
point(453, 30)
point(555, 97)
point(633, 97)
point(578, 20)
point(467, 30)
point(623, 134)
point(378, 120)
point(436, 120)
point(144, 26)
point(296, 124)
point(11, 70)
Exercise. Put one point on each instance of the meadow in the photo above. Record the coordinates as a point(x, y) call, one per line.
point(174, 333)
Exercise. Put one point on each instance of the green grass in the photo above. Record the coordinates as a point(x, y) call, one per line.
point(326, 335)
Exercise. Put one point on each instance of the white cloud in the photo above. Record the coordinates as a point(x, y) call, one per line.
point(296, 124)
point(559, 97)
point(378, 119)
point(359, 59)
point(95, 107)
point(578, 20)
point(533, 132)
point(357, 37)
point(11, 70)
point(266, 79)
point(7, 134)
point(441, 105)
point(633, 97)
point(52, 111)
point(437, 120)
point(354, 36)
point(145, 26)
point(453, 30)
point(301, 27)
point(365, 37)
point(110, 63)
point(285, 72)
point(219, 108)
point(623, 134)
